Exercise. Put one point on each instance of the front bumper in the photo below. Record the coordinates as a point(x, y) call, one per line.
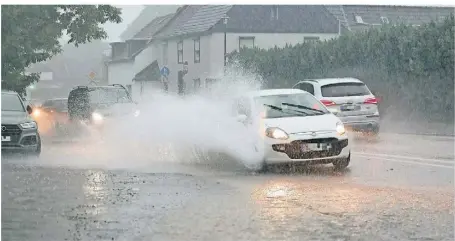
point(21, 140)
point(289, 151)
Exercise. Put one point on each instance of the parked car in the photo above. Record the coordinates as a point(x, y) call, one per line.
point(295, 128)
point(19, 131)
point(349, 99)
point(96, 105)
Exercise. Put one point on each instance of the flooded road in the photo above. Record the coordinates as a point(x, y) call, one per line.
point(399, 187)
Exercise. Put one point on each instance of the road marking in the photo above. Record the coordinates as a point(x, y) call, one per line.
point(404, 157)
point(408, 162)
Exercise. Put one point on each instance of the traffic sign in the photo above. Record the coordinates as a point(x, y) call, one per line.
point(164, 71)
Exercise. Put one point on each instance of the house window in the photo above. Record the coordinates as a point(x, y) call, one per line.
point(197, 50)
point(274, 12)
point(246, 42)
point(385, 20)
point(358, 19)
point(165, 53)
point(310, 39)
point(180, 52)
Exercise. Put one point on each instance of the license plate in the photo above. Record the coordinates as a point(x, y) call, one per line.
point(6, 138)
point(315, 147)
point(349, 107)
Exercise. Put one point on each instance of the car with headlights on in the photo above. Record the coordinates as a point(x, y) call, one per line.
point(19, 131)
point(294, 127)
point(349, 99)
point(98, 105)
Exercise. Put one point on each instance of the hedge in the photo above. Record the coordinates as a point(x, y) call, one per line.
point(411, 68)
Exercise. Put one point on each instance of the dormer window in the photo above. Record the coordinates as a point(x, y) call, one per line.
point(385, 20)
point(274, 12)
point(358, 19)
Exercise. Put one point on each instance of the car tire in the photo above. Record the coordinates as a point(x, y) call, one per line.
point(341, 164)
point(37, 152)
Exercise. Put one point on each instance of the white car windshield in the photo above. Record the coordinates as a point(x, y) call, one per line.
point(288, 105)
point(11, 102)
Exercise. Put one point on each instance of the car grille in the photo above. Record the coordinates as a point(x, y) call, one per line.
point(14, 131)
point(294, 152)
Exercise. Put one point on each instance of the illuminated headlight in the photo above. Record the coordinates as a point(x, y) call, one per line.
point(36, 112)
point(28, 125)
point(97, 117)
point(276, 133)
point(340, 128)
point(137, 113)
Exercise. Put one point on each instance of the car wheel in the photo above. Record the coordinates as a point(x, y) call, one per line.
point(342, 163)
point(37, 152)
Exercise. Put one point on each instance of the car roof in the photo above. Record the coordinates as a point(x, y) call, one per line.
point(328, 81)
point(269, 92)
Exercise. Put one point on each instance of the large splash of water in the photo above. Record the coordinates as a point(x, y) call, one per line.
point(188, 128)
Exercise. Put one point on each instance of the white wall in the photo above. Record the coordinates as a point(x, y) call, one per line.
point(121, 73)
point(144, 58)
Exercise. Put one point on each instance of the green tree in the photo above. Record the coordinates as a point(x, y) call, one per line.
point(31, 33)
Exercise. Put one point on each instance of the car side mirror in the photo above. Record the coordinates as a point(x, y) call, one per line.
point(29, 109)
point(242, 118)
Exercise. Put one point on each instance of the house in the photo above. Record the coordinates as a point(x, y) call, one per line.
point(200, 35)
point(195, 35)
point(132, 60)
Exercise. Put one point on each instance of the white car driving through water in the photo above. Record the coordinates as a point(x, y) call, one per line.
point(294, 127)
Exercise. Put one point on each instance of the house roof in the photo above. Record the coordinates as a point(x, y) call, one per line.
point(155, 25)
point(175, 25)
point(148, 13)
point(205, 18)
point(371, 15)
point(249, 18)
point(149, 73)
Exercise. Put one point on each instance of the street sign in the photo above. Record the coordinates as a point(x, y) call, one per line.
point(164, 71)
point(92, 75)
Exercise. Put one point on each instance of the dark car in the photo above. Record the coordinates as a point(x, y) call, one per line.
point(97, 104)
point(19, 131)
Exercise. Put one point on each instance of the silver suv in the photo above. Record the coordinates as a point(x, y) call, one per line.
point(19, 131)
point(349, 99)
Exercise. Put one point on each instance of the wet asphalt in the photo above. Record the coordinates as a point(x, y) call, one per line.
point(398, 187)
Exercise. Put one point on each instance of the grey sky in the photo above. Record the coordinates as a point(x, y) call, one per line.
point(129, 13)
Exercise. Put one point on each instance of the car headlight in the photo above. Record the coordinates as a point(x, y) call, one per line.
point(36, 112)
point(28, 125)
point(276, 133)
point(137, 113)
point(340, 129)
point(97, 117)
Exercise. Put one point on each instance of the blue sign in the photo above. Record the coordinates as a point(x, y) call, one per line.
point(164, 71)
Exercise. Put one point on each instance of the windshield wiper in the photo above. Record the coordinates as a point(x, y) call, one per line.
point(281, 109)
point(304, 107)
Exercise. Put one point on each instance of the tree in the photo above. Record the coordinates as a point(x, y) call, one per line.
point(31, 33)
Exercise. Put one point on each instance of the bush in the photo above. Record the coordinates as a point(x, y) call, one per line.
point(412, 68)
